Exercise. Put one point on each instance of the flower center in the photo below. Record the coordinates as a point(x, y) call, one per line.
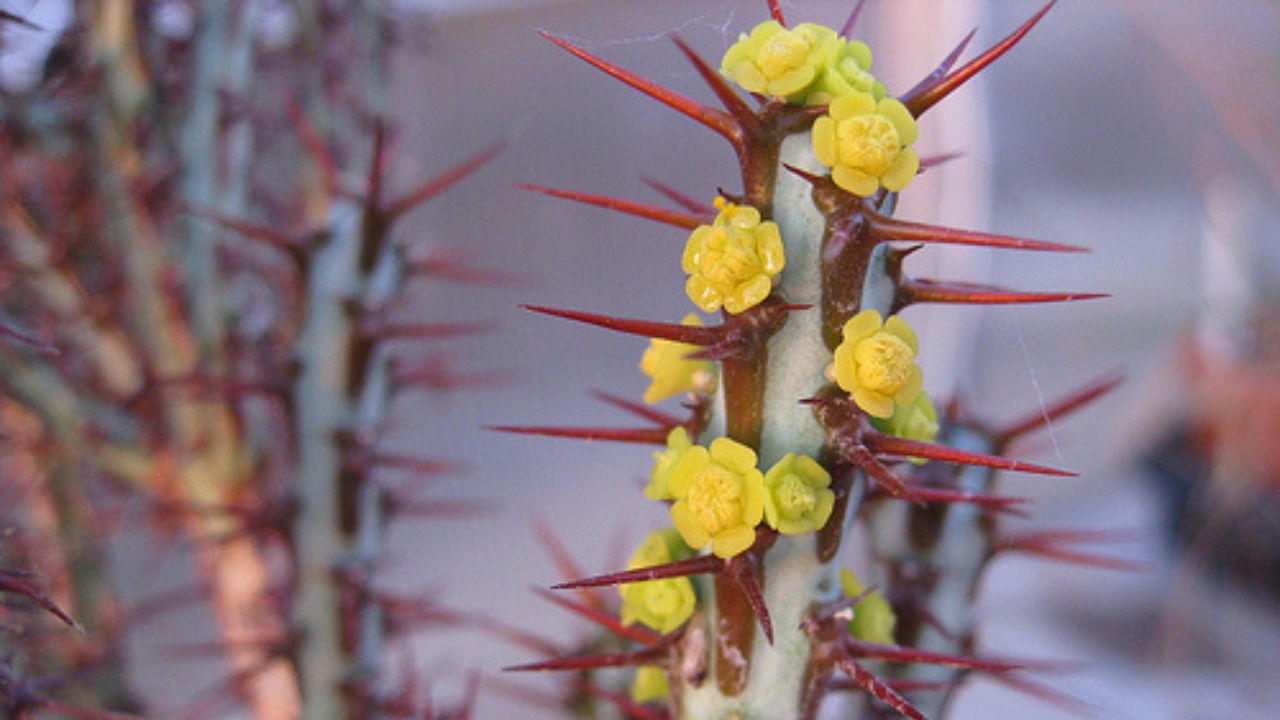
point(795, 498)
point(782, 53)
point(715, 499)
point(661, 598)
point(868, 143)
point(725, 263)
point(884, 362)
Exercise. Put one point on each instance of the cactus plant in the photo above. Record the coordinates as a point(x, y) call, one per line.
point(807, 422)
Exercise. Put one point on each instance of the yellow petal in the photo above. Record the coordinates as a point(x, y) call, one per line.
point(748, 75)
point(749, 294)
point(733, 541)
point(911, 388)
point(793, 82)
point(898, 327)
point(690, 462)
point(824, 140)
point(822, 513)
point(874, 403)
point(702, 294)
point(690, 531)
point(847, 106)
point(905, 167)
point(862, 326)
point(846, 368)
point(854, 181)
point(733, 454)
point(900, 116)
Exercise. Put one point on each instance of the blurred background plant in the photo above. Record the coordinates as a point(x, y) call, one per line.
point(206, 329)
point(1107, 130)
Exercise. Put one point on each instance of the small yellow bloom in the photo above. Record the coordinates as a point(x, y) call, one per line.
point(778, 61)
point(917, 420)
point(875, 363)
point(650, 684)
point(867, 143)
point(797, 498)
point(845, 70)
point(873, 617)
point(664, 462)
point(663, 605)
point(733, 261)
point(719, 497)
point(672, 372)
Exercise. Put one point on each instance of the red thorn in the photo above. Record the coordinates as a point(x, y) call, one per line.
point(644, 411)
point(892, 484)
point(803, 174)
point(315, 148)
point(1049, 545)
point(998, 503)
point(700, 565)
point(899, 685)
point(673, 218)
point(701, 209)
point(634, 633)
point(450, 265)
point(442, 182)
point(424, 331)
point(566, 565)
point(737, 107)
point(1046, 694)
point(687, 334)
point(416, 465)
point(775, 9)
point(888, 229)
point(864, 679)
point(1059, 408)
point(933, 161)
point(624, 704)
point(845, 32)
point(921, 99)
point(744, 569)
point(438, 509)
point(263, 234)
point(633, 658)
point(717, 120)
point(377, 159)
point(889, 445)
point(18, 582)
point(436, 373)
point(641, 436)
point(40, 346)
point(932, 291)
point(943, 67)
point(899, 654)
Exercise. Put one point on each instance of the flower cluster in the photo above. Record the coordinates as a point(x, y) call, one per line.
point(867, 143)
point(875, 363)
point(666, 604)
point(797, 497)
point(719, 496)
point(733, 261)
point(808, 64)
point(873, 616)
point(672, 372)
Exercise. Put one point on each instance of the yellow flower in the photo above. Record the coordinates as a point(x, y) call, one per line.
point(719, 497)
point(917, 420)
point(672, 372)
point(664, 462)
point(733, 261)
point(875, 363)
point(867, 143)
point(796, 495)
point(774, 60)
point(663, 605)
point(845, 70)
point(650, 684)
point(873, 617)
